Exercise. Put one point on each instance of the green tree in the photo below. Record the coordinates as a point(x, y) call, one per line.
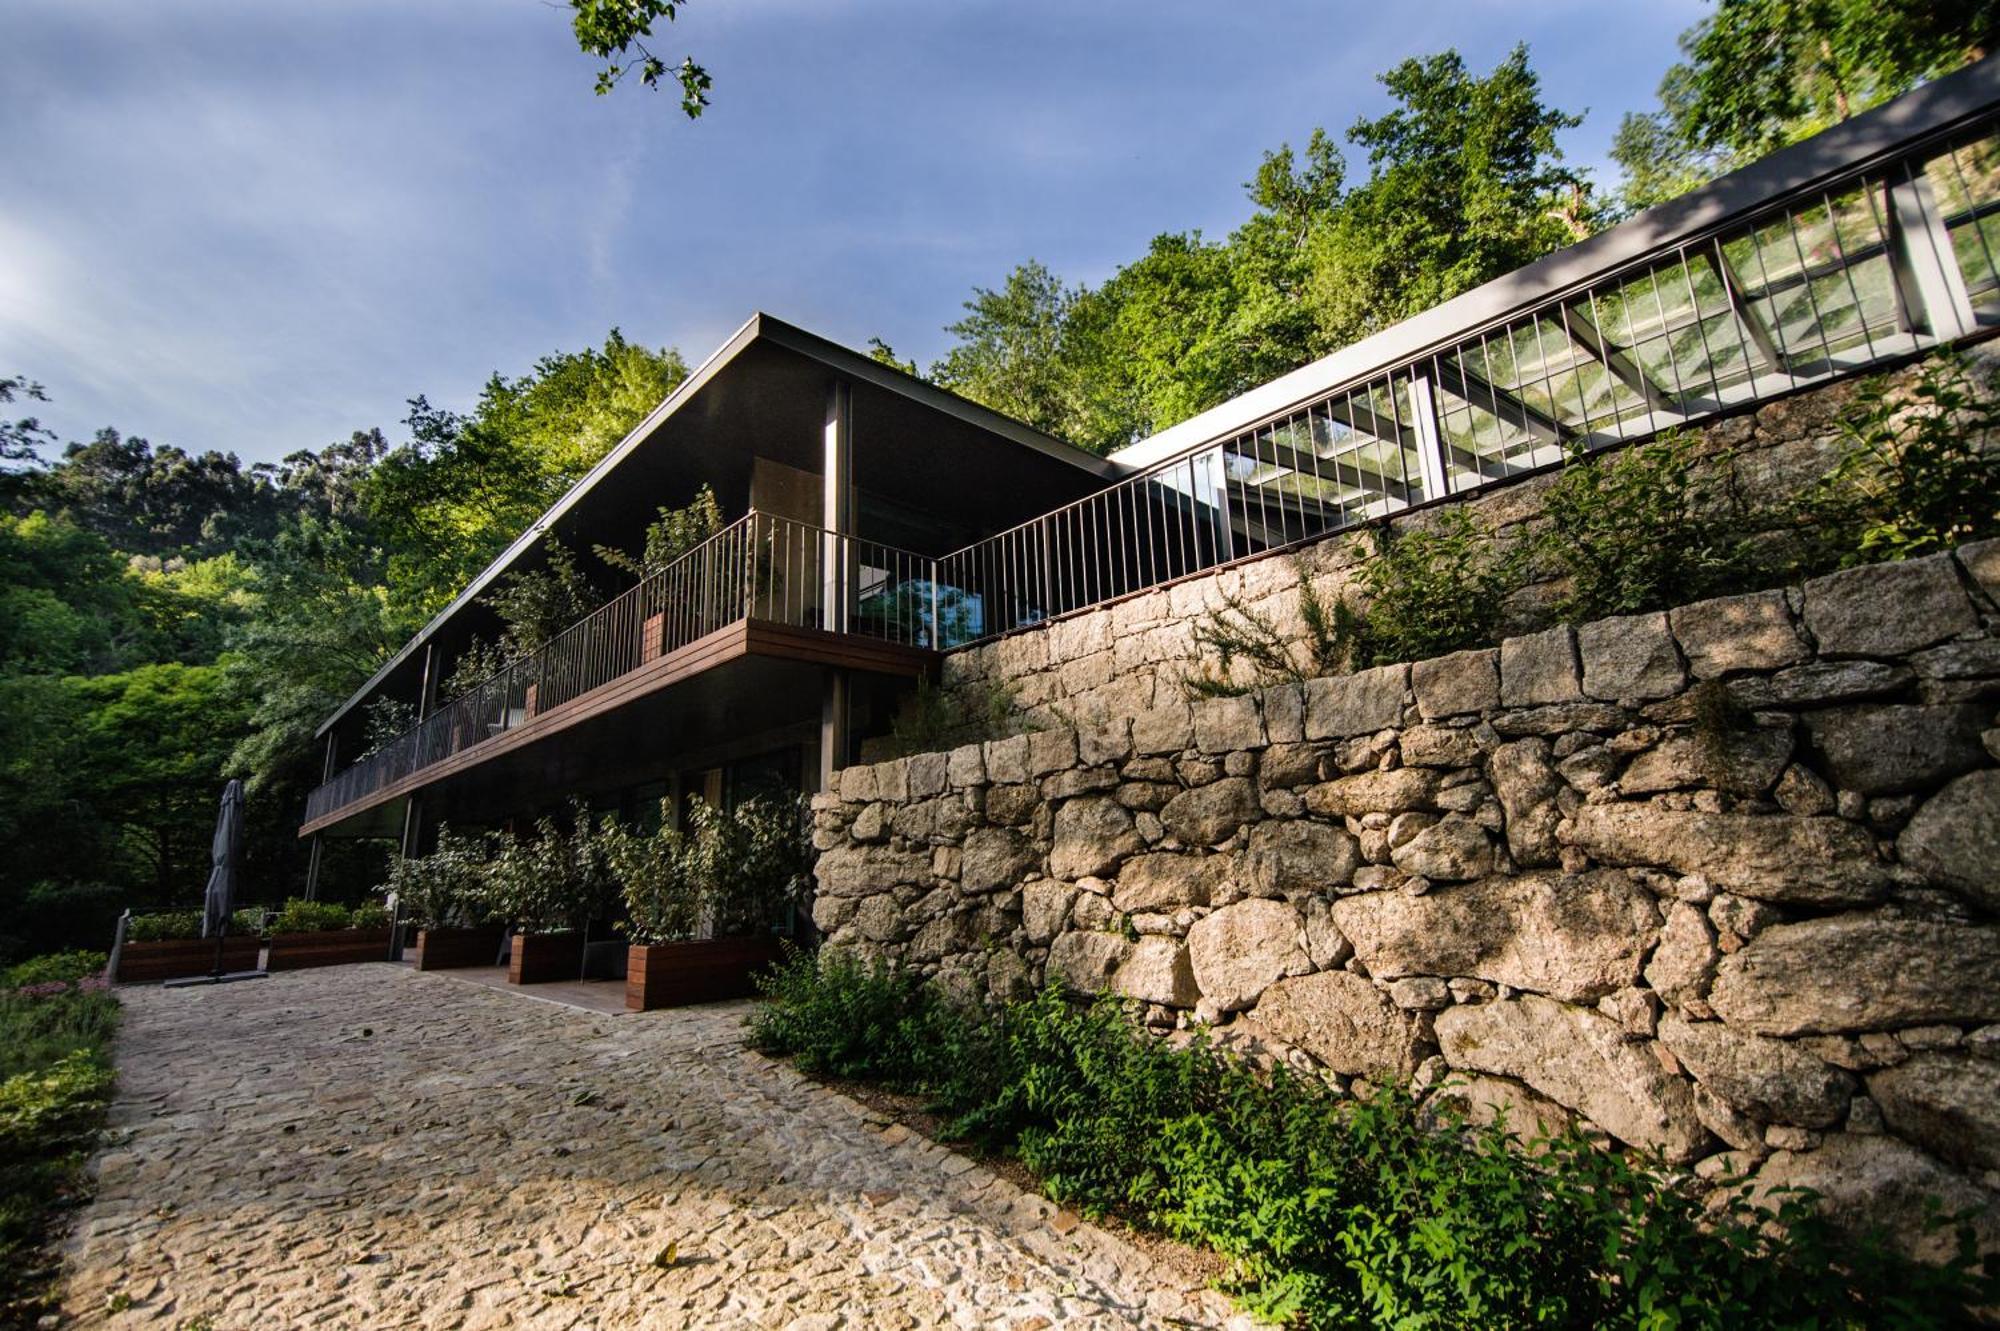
point(1759, 74)
point(1010, 353)
point(464, 487)
point(1466, 182)
point(616, 30)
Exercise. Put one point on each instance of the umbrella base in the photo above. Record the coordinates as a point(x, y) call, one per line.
point(217, 978)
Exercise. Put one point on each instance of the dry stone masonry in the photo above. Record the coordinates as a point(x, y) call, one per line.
point(1719, 883)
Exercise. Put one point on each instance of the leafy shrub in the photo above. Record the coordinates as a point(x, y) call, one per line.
point(163, 926)
point(662, 904)
point(299, 916)
point(1428, 590)
point(1337, 1211)
point(56, 967)
point(1642, 529)
point(369, 915)
point(450, 887)
point(931, 718)
point(248, 920)
point(1237, 631)
point(1916, 475)
point(748, 865)
point(558, 879)
point(54, 1082)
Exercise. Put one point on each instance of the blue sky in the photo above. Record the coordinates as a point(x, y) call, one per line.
point(260, 224)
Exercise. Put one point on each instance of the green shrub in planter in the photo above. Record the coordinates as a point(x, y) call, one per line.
point(749, 865)
point(558, 879)
point(661, 902)
point(450, 888)
point(163, 926)
point(299, 916)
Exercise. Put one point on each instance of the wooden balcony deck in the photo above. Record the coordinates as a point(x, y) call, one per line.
point(744, 638)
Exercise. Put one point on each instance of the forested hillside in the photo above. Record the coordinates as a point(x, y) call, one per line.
point(168, 617)
point(171, 616)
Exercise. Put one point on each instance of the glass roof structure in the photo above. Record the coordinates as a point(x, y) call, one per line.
point(1855, 272)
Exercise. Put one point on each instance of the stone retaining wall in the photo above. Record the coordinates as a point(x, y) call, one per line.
point(1120, 659)
point(1721, 882)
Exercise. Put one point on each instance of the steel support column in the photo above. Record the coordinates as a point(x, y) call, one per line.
point(837, 567)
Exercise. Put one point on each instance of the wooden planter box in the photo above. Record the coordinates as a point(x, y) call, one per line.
point(327, 947)
point(540, 958)
point(531, 698)
point(701, 970)
point(653, 637)
point(175, 958)
point(449, 949)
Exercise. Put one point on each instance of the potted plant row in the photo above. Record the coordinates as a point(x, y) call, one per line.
point(447, 895)
point(169, 946)
point(703, 909)
point(553, 885)
point(305, 934)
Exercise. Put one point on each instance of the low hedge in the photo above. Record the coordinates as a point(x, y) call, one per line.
point(56, 1022)
point(1338, 1211)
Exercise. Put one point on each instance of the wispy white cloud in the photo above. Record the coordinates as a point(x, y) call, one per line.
point(260, 225)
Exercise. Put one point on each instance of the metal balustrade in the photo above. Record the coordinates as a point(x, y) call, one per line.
point(761, 567)
point(1839, 278)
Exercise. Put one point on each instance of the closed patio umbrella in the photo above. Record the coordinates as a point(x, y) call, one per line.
point(226, 851)
point(225, 857)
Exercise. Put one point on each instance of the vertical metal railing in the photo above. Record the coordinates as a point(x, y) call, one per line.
point(761, 567)
point(1836, 279)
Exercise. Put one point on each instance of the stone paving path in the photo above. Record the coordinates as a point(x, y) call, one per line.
point(366, 1146)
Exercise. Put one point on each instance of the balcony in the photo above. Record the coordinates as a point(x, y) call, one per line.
point(764, 586)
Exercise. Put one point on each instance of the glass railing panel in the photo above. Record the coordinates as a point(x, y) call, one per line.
point(1965, 182)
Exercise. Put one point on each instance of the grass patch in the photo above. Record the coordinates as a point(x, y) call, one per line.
point(1335, 1211)
point(56, 1022)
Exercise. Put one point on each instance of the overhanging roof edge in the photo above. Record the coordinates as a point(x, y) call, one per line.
point(759, 326)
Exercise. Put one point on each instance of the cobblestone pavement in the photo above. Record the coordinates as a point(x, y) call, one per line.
point(366, 1146)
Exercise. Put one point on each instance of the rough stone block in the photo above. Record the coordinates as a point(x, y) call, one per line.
point(857, 783)
point(1888, 609)
point(1889, 749)
point(1166, 729)
point(1091, 836)
point(1284, 710)
point(1222, 725)
point(1343, 1022)
point(1804, 861)
point(1770, 1080)
point(1946, 1103)
point(1854, 973)
point(1540, 668)
point(1079, 636)
point(1632, 656)
point(1211, 813)
point(1981, 559)
point(1239, 951)
point(1749, 632)
point(1295, 857)
point(1007, 759)
point(1110, 742)
point(1954, 838)
point(928, 775)
point(1576, 938)
point(1456, 684)
point(1157, 971)
point(1358, 704)
point(965, 766)
point(1051, 750)
point(1580, 1059)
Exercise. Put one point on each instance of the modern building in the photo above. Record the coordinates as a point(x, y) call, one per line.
point(878, 522)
